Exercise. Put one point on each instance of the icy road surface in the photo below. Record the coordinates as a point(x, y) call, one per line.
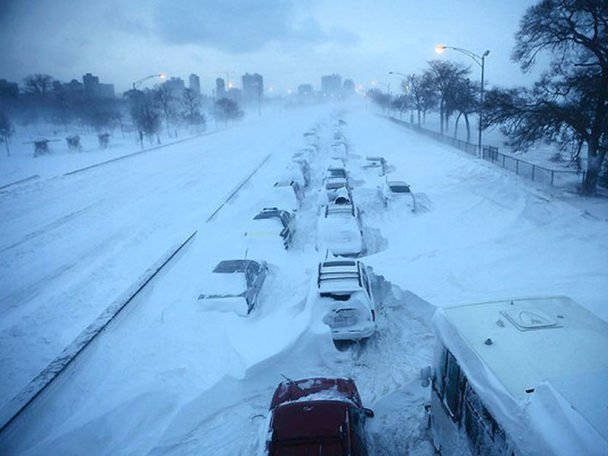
point(169, 378)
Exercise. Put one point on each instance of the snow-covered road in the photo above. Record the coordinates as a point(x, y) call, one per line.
point(168, 378)
point(70, 246)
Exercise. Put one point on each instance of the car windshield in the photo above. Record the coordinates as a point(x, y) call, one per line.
point(399, 188)
point(267, 215)
point(230, 266)
point(334, 185)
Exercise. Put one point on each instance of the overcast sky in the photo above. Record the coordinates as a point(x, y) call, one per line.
point(289, 42)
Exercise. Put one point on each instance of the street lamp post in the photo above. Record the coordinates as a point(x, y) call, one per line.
point(136, 84)
point(479, 60)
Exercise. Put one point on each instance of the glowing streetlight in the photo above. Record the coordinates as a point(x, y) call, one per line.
point(440, 48)
point(479, 60)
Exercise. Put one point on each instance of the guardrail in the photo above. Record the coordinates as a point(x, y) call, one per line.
point(520, 167)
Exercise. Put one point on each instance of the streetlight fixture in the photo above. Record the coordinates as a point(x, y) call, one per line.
point(136, 84)
point(479, 60)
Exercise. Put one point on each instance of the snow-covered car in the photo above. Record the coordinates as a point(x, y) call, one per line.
point(286, 194)
point(336, 177)
point(234, 286)
point(376, 163)
point(339, 227)
point(398, 193)
point(270, 226)
point(304, 167)
point(317, 416)
point(344, 295)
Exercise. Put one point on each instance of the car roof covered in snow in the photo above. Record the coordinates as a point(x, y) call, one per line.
point(340, 209)
point(550, 347)
point(338, 274)
point(299, 390)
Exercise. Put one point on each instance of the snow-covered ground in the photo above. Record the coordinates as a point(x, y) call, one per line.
point(169, 378)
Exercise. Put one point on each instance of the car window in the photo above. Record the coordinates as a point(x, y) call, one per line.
point(452, 386)
point(254, 267)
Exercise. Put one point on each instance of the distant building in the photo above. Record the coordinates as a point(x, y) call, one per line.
point(73, 86)
point(90, 83)
point(195, 84)
point(331, 85)
point(305, 90)
point(94, 89)
point(253, 86)
point(348, 86)
point(176, 86)
point(220, 88)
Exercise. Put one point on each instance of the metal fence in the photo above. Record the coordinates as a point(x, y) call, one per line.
point(523, 168)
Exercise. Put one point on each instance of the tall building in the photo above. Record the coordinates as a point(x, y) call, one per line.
point(90, 84)
point(176, 86)
point(305, 90)
point(195, 84)
point(94, 89)
point(253, 86)
point(348, 86)
point(220, 88)
point(331, 85)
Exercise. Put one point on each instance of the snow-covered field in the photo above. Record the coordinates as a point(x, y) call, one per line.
point(169, 378)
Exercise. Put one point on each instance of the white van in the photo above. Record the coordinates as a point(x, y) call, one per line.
point(520, 377)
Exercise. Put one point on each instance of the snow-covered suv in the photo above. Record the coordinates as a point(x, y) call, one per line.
point(345, 294)
point(317, 416)
point(235, 286)
point(339, 227)
point(270, 225)
point(397, 193)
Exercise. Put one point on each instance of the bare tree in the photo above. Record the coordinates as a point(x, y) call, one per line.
point(165, 100)
point(227, 109)
point(144, 114)
point(38, 84)
point(420, 89)
point(191, 102)
point(380, 98)
point(569, 103)
point(464, 101)
point(444, 77)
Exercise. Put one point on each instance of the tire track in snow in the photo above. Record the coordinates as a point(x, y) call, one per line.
point(51, 226)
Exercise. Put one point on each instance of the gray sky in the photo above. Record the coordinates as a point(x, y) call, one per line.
point(289, 42)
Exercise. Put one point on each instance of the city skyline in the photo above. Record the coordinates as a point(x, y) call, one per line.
point(289, 43)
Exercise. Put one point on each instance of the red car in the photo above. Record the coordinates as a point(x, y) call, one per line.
point(317, 416)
